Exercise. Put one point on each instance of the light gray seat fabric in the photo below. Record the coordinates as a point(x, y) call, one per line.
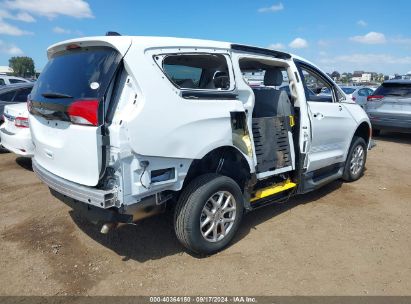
point(269, 101)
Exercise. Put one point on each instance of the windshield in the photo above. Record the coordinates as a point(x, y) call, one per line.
point(82, 73)
point(394, 89)
point(348, 90)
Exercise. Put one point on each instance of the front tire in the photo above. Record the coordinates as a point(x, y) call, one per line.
point(355, 163)
point(208, 213)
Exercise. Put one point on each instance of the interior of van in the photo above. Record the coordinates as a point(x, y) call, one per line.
point(273, 116)
point(274, 119)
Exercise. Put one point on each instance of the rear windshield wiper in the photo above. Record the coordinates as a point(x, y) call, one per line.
point(55, 95)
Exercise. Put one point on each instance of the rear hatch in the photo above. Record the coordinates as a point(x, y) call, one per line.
point(391, 99)
point(68, 106)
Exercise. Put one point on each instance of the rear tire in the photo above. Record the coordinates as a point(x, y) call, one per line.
point(208, 213)
point(355, 163)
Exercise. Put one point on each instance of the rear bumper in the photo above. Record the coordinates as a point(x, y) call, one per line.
point(94, 204)
point(390, 122)
point(19, 143)
point(92, 196)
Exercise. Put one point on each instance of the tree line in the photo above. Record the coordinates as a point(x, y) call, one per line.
point(22, 66)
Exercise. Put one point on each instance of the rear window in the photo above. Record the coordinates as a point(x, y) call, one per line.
point(83, 73)
point(348, 90)
point(394, 89)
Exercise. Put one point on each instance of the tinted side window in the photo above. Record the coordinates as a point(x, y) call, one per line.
point(21, 95)
point(8, 96)
point(12, 80)
point(197, 71)
point(184, 76)
point(2, 82)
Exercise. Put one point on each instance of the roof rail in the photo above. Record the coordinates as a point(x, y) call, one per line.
point(262, 51)
point(110, 33)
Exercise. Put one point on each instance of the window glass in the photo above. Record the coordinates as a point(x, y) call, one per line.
point(21, 95)
point(340, 95)
point(394, 89)
point(362, 92)
point(184, 76)
point(348, 90)
point(8, 96)
point(13, 80)
point(79, 73)
point(197, 71)
point(314, 83)
point(2, 82)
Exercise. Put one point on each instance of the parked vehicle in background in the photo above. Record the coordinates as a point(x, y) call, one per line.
point(389, 108)
point(124, 126)
point(14, 132)
point(357, 94)
point(325, 92)
point(13, 93)
point(6, 80)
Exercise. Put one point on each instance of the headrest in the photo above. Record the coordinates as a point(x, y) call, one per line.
point(273, 77)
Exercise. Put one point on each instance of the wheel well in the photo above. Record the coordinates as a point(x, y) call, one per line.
point(226, 161)
point(363, 131)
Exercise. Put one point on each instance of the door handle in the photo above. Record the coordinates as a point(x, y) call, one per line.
point(318, 115)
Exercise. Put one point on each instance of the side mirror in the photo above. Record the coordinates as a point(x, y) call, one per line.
point(221, 80)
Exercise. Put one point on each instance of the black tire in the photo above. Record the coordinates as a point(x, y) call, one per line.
point(376, 132)
point(189, 210)
point(353, 175)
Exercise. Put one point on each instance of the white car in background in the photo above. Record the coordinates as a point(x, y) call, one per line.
point(6, 80)
point(358, 94)
point(15, 131)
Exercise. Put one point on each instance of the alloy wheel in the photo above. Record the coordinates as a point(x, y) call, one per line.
point(218, 216)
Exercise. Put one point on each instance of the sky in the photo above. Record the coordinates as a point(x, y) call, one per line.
point(346, 35)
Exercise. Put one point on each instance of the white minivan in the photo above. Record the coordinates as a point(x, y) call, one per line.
point(125, 126)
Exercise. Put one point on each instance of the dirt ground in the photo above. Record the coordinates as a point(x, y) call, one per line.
point(345, 239)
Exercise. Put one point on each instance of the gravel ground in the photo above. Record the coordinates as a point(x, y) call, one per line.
point(344, 239)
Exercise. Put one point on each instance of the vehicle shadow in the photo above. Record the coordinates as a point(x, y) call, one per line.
point(154, 238)
point(150, 239)
point(259, 216)
point(25, 163)
point(3, 150)
point(401, 138)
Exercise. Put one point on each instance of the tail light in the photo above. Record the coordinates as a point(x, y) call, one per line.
point(353, 98)
point(84, 112)
point(21, 122)
point(374, 97)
